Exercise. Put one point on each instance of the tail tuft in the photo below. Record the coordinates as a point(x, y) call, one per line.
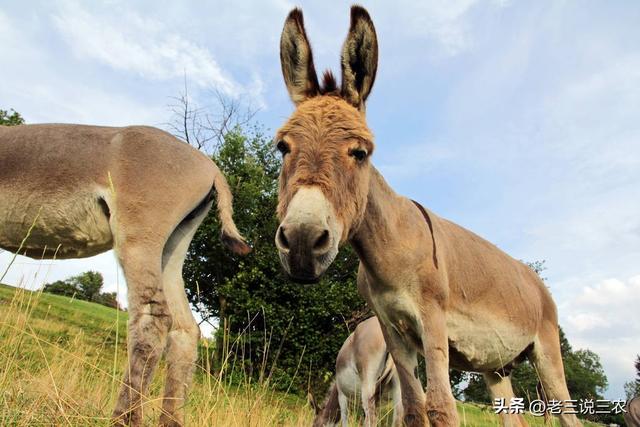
point(235, 244)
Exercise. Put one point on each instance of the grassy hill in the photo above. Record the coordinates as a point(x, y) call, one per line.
point(61, 362)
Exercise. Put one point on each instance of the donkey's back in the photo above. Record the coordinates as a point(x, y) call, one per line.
point(59, 183)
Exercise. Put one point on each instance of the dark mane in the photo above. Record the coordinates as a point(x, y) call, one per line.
point(329, 85)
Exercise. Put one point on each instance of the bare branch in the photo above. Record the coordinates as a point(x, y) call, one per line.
point(205, 127)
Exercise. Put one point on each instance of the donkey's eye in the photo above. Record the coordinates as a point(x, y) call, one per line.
point(358, 154)
point(283, 147)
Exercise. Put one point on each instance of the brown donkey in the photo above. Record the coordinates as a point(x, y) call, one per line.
point(436, 287)
point(71, 191)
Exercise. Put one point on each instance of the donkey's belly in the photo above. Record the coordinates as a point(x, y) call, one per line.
point(483, 342)
point(63, 225)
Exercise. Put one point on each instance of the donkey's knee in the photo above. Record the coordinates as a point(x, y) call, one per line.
point(147, 335)
point(182, 343)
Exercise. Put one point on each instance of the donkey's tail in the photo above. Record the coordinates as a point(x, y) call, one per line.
point(231, 237)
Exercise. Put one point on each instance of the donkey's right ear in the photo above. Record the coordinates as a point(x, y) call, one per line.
point(297, 60)
point(359, 58)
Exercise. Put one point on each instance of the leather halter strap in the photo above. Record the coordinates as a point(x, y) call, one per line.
point(433, 236)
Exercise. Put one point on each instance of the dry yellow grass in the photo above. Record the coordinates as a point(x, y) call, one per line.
point(61, 362)
point(57, 359)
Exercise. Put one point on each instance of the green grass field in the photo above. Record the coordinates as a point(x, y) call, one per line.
point(61, 362)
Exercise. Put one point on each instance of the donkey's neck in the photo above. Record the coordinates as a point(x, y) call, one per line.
point(392, 224)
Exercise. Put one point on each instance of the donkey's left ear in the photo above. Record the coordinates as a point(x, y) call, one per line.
point(359, 58)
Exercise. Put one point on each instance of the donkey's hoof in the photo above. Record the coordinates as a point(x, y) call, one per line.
point(415, 420)
point(440, 418)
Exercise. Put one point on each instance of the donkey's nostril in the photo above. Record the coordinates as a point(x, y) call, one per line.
point(322, 241)
point(283, 242)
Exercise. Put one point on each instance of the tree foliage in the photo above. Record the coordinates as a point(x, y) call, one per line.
point(632, 388)
point(85, 286)
point(10, 118)
point(283, 330)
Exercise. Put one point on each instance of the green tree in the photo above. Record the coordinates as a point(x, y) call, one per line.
point(287, 331)
point(632, 388)
point(108, 299)
point(585, 376)
point(89, 284)
point(85, 286)
point(60, 287)
point(10, 118)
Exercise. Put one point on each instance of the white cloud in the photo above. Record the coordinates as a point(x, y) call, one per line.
point(610, 292)
point(444, 22)
point(128, 42)
point(86, 104)
point(604, 317)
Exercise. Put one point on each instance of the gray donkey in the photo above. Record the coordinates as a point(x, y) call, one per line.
point(364, 368)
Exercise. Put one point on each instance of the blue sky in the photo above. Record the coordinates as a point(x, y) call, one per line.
point(519, 120)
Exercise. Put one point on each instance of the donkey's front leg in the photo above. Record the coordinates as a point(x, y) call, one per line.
point(440, 404)
point(405, 358)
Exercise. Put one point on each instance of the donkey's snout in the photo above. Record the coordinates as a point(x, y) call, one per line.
point(309, 236)
point(304, 239)
point(305, 250)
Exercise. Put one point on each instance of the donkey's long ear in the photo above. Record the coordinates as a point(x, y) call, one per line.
point(359, 58)
point(297, 60)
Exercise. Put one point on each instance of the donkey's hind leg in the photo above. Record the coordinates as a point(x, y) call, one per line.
point(149, 321)
point(182, 340)
point(499, 386)
point(343, 402)
point(368, 396)
point(547, 360)
point(397, 401)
